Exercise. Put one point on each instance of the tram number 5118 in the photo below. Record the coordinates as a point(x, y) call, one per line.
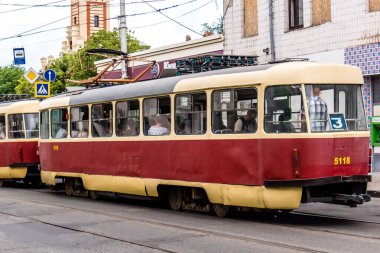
point(342, 160)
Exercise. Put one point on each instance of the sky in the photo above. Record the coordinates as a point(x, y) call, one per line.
point(43, 28)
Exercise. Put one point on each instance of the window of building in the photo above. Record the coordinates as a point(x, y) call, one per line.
point(102, 120)
point(16, 126)
point(128, 118)
point(190, 114)
point(31, 125)
point(59, 119)
point(75, 20)
point(96, 21)
point(251, 27)
point(45, 125)
point(284, 111)
point(234, 111)
point(79, 122)
point(321, 12)
point(374, 5)
point(295, 14)
point(157, 116)
point(2, 127)
point(376, 89)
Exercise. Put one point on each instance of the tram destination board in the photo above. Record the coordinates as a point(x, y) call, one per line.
point(213, 62)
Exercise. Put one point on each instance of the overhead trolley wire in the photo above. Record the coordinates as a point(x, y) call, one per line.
point(171, 18)
point(28, 6)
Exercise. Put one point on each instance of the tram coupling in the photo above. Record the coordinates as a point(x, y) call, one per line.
point(352, 200)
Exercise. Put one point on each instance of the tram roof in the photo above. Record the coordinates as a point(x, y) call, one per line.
point(23, 106)
point(270, 74)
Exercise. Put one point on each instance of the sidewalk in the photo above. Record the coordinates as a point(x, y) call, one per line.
point(374, 186)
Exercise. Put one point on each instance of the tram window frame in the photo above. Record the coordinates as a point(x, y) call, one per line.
point(109, 121)
point(11, 124)
point(287, 116)
point(3, 129)
point(188, 125)
point(78, 120)
point(44, 133)
point(160, 112)
point(63, 123)
point(29, 131)
point(123, 118)
point(233, 110)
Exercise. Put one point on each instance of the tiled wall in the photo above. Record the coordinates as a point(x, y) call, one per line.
point(366, 57)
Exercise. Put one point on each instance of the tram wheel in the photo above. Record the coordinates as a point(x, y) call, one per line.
point(93, 195)
point(222, 210)
point(175, 198)
point(69, 187)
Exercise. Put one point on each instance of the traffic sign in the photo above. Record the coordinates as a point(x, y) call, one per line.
point(19, 56)
point(49, 75)
point(31, 75)
point(155, 71)
point(41, 89)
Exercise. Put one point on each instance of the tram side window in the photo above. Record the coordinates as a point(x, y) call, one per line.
point(16, 126)
point(157, 116)
point(2, 127)
point(234, 111)
point(190, 114)
point(79, 122)
point(45, 125)
point(59, 118)
point(128, 118)
point(102, 120)
point(31, 125)
point(284, 111)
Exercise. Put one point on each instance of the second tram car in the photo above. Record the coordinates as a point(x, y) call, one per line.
point(267, 137)
point(19, 132)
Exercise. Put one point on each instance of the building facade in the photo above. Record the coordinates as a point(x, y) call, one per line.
point(321, 30)
point(87, 17)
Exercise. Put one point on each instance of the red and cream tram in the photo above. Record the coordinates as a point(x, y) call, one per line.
point(266, 137)
point(19, 141)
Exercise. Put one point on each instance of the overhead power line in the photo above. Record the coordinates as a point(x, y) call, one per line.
point(171, 18)
point(27, 6)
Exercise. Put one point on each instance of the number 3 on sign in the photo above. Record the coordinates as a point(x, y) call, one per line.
point(342, 160)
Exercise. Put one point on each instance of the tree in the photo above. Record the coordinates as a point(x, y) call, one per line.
point(24, 87)
point(214, 28)
point(9, 76)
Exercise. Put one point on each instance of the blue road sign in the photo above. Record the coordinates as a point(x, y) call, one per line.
point(337, 121)
point(50, 75)
point(41, 89)
point(19, 56)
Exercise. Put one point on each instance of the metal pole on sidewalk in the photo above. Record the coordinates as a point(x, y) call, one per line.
point(123, 38)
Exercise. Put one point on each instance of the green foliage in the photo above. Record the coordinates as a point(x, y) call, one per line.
point(24, 87)
point(9, 76)
point(214, 28)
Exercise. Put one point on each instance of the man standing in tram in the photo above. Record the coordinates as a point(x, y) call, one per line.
point(317, 111)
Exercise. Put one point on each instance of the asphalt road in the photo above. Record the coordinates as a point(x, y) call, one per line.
point(39, 220)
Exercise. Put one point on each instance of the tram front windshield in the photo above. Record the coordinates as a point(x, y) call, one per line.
point(335, 107)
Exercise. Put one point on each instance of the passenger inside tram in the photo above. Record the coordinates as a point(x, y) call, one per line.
point(285, 126)
point(246, 123)
point(159, 126)
point(2, 131)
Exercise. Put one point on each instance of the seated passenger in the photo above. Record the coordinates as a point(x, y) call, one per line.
point(2, 131)
point(286, 126)
point(159, 127)
point(246, 123)
point(61, 133)
point(82, 133)
point(130, 129)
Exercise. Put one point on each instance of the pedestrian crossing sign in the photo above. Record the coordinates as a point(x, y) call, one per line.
point(41, 89)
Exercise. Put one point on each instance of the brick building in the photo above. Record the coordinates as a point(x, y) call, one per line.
point(87, 17)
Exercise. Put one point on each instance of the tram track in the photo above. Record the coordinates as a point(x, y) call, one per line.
point(151, 222)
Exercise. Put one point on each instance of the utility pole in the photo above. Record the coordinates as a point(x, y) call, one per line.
point(123, 38)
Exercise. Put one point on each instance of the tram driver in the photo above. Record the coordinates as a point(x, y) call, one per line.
point(317, 111)
point(246, 123)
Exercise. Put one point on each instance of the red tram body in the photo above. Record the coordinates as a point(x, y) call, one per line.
point(19, 141)
point(268, 168)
